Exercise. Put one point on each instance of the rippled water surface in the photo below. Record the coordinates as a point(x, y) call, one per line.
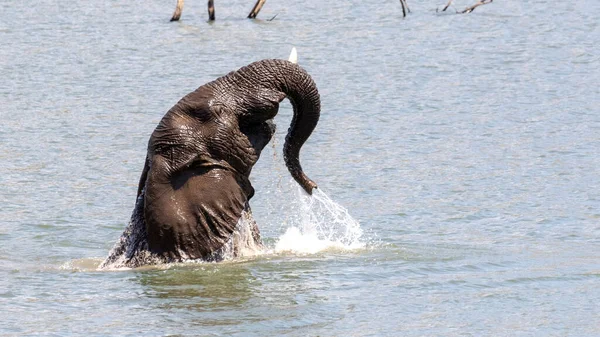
point(465, 146)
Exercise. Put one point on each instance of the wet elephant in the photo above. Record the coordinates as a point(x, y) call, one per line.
point(194, 189)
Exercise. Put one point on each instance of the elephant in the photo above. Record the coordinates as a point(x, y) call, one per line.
point(194, 189)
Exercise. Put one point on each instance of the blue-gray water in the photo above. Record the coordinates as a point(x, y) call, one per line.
point(466, 146)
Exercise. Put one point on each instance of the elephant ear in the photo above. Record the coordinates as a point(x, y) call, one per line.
point(219, 211)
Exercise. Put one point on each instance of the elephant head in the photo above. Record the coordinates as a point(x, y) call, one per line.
point(253, 94)
point(195, 185)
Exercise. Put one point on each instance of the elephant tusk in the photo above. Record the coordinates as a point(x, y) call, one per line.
point(293, 56)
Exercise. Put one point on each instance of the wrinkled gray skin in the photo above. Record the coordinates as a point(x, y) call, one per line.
point(195, 183)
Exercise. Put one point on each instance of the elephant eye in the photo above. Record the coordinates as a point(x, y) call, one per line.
point(261, 106)
point(203, 115)
point(215, 110)
point(266, 111)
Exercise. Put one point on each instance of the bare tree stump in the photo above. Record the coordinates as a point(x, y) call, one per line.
point(178, 9)
point(257, 7)
point(472, 8)
point(211, 10)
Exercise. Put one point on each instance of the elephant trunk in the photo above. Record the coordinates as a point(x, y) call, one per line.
point(286, 79)
point(307, 106)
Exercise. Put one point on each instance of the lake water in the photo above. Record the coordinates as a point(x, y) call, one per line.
point(465, 149)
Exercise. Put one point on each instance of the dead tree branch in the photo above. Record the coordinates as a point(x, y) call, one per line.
point(178, 9)
point(447, 5)
point(479, 3)
point(257, 7)
point(405, 8)
point(211, 10)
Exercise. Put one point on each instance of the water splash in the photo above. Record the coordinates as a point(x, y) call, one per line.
point(316, 223)
point(244, 242)
point(320, 224)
